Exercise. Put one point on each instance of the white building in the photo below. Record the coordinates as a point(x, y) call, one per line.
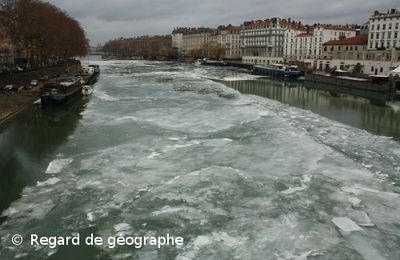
point(306, 46)
point(290, 47)
point(177, 41)
point(263, 40)
point(384, 30)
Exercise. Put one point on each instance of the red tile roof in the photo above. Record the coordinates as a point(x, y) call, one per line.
point(356, 40)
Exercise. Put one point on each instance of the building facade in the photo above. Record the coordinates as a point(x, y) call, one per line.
point(352, 54)
point(195, 41)
point(229, 39)
point(384, 30)
point(177, 42)
point(262, 41)
point(290, 46)
point(308, 45)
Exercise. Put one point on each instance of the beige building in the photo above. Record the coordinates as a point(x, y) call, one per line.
point(229, 39)
point(192, 41)
point(348, 53)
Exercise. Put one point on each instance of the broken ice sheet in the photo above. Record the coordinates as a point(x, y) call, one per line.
point(346, 225)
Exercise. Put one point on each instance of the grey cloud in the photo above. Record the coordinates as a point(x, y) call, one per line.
point(104, 19)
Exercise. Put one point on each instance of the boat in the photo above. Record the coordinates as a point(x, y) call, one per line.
point(377, 83)
point(90, 74)
point(87, 90)
point(60, 90)
point(215, 62)
point(277, 70)
point(198, 62)
point(96, 68)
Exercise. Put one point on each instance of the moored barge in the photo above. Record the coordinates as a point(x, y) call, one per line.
point(60, 90)
point(277, 70)
point(375, 83)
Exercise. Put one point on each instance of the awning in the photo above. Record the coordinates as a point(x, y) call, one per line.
point(395, 72)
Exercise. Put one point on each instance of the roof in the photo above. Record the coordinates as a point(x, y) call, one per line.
point(305, 34)
point(356, 40)
point(288, 23)
point(195, 30)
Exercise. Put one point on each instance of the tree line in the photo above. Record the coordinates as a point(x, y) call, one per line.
point(148, 47)
point(40, 32)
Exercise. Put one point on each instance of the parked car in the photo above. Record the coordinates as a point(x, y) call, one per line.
point(44, 78)
point(34, 82)
point(28, 87)
point(4, 70)
point(9, 87)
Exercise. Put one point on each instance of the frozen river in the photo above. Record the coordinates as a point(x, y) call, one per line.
point(163, 148)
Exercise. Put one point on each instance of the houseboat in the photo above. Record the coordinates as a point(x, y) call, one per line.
point(208, 62)
point(277, 70)
point(59, 90)
point(90, 74)
point(377, 83)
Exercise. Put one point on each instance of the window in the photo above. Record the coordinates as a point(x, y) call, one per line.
point(371, 36)
point(378, 27)
point(384, 27)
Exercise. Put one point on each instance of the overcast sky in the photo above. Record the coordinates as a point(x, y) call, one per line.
point(108, 19)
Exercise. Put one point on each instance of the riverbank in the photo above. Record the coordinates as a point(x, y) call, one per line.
point(12, 103)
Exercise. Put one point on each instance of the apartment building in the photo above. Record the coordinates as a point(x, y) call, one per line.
point(229, 39)
point(307, 45)
point(290, 47)
point(262, 41)
point(384, 30)
point(349, 53)
point(177, 41)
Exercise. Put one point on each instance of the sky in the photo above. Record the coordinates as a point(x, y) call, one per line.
point(104, 20)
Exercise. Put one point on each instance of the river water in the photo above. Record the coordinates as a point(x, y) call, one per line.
point(169, 148)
